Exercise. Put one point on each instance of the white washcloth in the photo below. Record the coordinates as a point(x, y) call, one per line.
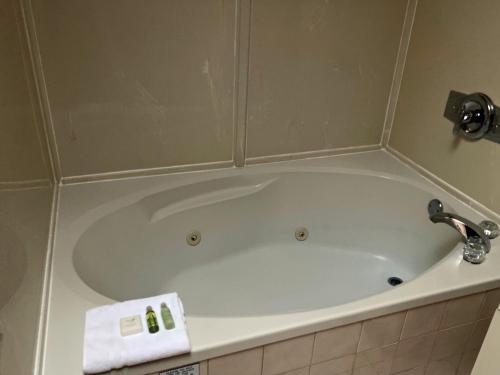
point(106, 349)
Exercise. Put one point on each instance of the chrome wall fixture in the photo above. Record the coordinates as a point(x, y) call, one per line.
point(474, 115)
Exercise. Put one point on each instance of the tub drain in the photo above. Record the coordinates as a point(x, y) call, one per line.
point(394, 281)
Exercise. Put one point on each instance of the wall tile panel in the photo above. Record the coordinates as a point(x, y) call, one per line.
point(320, 73)
point(135, 87)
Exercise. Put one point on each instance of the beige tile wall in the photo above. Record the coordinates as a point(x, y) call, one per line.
point(22, 157)
point(133, 87)
point(25, 197)
point(438, 339)
point(445, 54)
point(320, 73)
point(24, 231)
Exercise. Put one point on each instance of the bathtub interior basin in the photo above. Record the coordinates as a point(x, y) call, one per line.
point(363, 229)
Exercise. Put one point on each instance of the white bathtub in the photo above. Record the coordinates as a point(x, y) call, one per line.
point(250, 281)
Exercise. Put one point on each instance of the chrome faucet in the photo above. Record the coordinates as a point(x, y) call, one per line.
point(476, 237)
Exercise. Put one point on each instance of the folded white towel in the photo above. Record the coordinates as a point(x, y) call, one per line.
point(106, 349)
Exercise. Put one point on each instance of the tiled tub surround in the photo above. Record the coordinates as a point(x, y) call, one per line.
point(25, 198)
point(217, 335)
point(438, 339)
point(165, 84)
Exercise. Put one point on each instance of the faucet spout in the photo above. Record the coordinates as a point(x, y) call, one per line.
point(466, 228)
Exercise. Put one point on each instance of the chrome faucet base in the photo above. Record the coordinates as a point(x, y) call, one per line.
point(476, 237)
point(474, 251)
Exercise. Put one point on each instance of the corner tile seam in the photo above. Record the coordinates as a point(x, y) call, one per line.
point(41, 90)
point(243, 15)
point(359, 336)
point(403, 326)
point(42, 329)
point(261, 361)
point(483, 303)
point(313, 347)
point(311, 154)
point(399, 67)
point(443, 314)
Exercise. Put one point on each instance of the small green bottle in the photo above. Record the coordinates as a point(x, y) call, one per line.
point(166, 316)
point(151, 320)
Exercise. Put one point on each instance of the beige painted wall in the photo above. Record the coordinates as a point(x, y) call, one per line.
point(133, 87)
point(25, 198)
point(21, 156)
point(450, 49)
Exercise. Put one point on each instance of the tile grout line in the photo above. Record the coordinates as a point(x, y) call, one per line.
point(261, 361)
point(398, 343)
point(359, 336)
point(249, 56)
point(443, 314)
point(302, 155)
point(313, 347)
point(26, 184)
point(433, 345)
point(461, 325)
point(483, 303)
point(148, 172)
point(41, 338)
point(151, 172)
point(236, 58)
point(241, 73)
point(403, 327)
point(397, 62)
point(399, 66)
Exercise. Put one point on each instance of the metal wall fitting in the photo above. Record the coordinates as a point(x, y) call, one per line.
point(474, 115)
